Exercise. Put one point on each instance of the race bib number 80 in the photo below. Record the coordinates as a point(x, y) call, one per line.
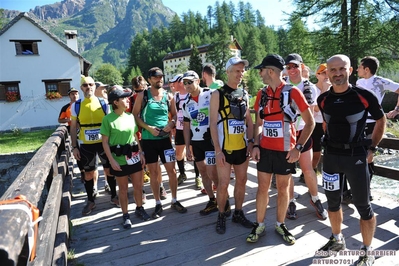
point(210, 158)
point(331, 182)
point(92, 134)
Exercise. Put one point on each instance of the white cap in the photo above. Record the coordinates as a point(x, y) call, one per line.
point(236, 60)
point(176, 78)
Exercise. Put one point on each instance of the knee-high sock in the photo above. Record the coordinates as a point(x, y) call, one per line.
point(89, 189)
point(180, 164)
point(112, 185)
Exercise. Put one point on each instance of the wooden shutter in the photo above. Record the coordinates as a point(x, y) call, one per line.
point(63, 88)
point(18, 48)
point(35, 49)
point(2, 92)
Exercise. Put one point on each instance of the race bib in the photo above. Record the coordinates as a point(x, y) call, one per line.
point(236, 126)
point(170, 155)
point(273, 129)
point(210, 158)
point(331, 182)
point(92, 134)
point(180, 120)
point(134, 159)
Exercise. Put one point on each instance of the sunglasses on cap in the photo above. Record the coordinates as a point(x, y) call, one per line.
point(189, 82)
point(289, 67)
point(87, 84)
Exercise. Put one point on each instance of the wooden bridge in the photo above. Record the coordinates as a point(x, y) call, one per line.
point(173, 239)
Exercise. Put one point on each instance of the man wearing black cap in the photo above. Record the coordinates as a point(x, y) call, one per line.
point(295, 66)
point(275, 149)
point(232, 135)
point(154, 120)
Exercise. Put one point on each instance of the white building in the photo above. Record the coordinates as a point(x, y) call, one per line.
point(35, 62)
point(173, 59)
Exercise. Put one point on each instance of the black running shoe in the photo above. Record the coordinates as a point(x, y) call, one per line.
point(178, 207)
point(333, 245)
point(291, 212)
point(239, 217)
point(141, 213)
point(221, 223)
point(157, 212)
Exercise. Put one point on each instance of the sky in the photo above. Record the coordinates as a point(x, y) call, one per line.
point(271, 10)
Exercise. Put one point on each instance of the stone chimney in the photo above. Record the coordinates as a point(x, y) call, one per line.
point(72, 40)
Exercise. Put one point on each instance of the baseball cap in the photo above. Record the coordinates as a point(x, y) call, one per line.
point(72, 90)
point(155, 72)
point(100, 84)
point(176, 78)
point(321, 68)
point(293, 59)
point(117, 92)
point(272, 60)
point(190, 75)
point(236, 60)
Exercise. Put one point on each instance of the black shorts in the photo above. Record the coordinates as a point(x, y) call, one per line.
point(179, 137)
point(236, 157)
point(127, 170)
point(316, 137)
point(309, 143)
point(274, 162)
point(88, 156)
point(153, 149)
point(355, 169)
point(204, 150)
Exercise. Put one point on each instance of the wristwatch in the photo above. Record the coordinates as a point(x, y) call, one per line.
point(373, 149)
point(299, 147)
point(251, 141)
point(396, 109)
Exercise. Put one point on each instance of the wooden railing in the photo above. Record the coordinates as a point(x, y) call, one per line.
point(385, 171)
point(46, 182)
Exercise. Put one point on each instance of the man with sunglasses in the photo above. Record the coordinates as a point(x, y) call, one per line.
point(156, 142)
point(295, 66)
point(232, 135)
point(89, 120)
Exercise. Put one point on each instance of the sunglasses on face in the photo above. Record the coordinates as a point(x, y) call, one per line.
point(87, 84)
point(188, 82)
point(289, 67)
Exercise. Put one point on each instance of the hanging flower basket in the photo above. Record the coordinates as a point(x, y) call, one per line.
point(12, 96)
point(53, 95)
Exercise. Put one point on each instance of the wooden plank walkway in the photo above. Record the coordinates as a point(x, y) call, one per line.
point(190, 239)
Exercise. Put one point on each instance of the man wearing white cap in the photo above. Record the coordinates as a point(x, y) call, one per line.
point(231, 124)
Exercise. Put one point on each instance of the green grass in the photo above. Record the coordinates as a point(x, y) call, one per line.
point(19, 141)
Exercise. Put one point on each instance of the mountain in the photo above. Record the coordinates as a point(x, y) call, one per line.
point(105, 28)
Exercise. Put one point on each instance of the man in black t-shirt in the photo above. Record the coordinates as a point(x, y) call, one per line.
point(345, 109)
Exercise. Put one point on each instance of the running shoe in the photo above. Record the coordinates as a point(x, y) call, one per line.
point(287, 236)
point(146, 177)
point(365, 260)
point(107, 188)
point(141, 213)
point(157, 212)
point(257, 231)
point(95, 192)
point(320, 211)
point(88, 208)
point(221, 223)
point(227, 208)
point(274, 183)
point(178, 207)
point(181, 179)
point(211, 206)
point(115, 201)
point(143, 197)
point(334, 245)
point(163, 194)
point(239, 217)
point(126, 221)
point(291, 212)
point(198, 183)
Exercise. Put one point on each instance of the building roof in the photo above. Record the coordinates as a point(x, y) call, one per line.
point(202, 49)
point(52, 36)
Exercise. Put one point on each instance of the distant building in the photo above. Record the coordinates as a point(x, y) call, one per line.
point(36, 64)
point(173, 59)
